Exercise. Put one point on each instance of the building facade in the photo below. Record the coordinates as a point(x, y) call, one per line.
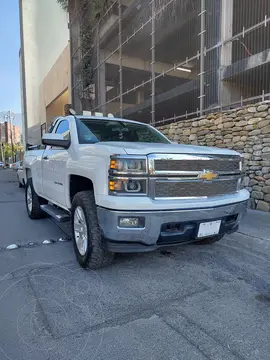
point(44, 64)
point(9, 133)
point(160, 61)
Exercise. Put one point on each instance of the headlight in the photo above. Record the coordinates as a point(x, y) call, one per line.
point(126, 165)
point(241, 164)
point(127, 186)
point(241, 184)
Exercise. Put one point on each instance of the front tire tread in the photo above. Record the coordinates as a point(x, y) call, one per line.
point(96, 256)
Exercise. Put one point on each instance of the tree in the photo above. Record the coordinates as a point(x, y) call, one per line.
point(7, 151)
point(64, 4)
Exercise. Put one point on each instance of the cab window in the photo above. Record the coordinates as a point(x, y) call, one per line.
point(63, 129)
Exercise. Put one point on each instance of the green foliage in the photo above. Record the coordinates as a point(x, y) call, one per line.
point(88, 13)
point(64, 4)
point(99, 6)
point(7, 150)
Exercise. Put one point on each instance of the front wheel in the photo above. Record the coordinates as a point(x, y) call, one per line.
point(87, 238)
point(33, 202)
point(20, 184)
point(210, 240)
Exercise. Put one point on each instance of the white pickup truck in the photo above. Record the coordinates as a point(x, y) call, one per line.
point(127, 188)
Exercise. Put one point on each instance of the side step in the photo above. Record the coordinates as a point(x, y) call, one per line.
point(58, 214)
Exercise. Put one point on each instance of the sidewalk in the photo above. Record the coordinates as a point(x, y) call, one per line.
point(7, 175)
point(256, 224)
point(16, 227)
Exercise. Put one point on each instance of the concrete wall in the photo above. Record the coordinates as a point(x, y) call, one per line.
point(245, 130)
point(45, 38)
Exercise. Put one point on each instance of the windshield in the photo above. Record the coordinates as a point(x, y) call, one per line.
point(95, 130)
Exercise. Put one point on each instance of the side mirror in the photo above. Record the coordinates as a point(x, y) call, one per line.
point(55, 140)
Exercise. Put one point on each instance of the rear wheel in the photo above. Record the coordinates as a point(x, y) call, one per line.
point(87, 238)
point(33, 202)
point(20, 184)
point(210, 240)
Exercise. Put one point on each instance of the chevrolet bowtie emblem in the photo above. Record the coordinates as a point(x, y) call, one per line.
point(207, 175)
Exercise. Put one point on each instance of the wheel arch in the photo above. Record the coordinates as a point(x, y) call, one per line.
point(76, 184)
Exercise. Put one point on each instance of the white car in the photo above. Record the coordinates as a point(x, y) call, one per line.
point(15, 166)
point(20, 175)
point(2, 164)
point(126, 188)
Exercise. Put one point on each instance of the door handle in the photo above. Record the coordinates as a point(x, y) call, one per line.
point(45, 158)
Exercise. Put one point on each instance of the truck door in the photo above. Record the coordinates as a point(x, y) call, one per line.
point(54, 165)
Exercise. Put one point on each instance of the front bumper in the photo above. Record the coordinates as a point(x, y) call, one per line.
point(182, 225)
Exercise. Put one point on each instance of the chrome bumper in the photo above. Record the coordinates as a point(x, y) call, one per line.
point(151, 236)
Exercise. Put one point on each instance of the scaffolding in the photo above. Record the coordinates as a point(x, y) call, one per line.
point(159, 61)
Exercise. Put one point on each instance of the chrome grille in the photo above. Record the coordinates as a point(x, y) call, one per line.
point(195, 188)
point(223, 165)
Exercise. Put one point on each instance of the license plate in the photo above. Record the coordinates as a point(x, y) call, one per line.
point(209, 228)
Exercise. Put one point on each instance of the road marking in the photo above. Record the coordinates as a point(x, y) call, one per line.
point(33, 244)
point(12, 247)
point(47, 242)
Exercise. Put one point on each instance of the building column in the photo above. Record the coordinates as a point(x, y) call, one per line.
point(101, 75)
point(202, 57)
point(139, 97)
point(227, 92)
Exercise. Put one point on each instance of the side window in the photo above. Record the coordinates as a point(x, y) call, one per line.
point(63, 129)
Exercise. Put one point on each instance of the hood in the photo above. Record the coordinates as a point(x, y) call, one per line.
point(140, 148)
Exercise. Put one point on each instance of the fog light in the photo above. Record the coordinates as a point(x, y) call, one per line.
point(132, 222)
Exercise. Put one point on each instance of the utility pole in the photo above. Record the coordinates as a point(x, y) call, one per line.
point(2, 152)
point(1, 144)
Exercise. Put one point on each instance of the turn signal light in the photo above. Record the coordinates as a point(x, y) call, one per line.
point(113, 164)
point(112, 188)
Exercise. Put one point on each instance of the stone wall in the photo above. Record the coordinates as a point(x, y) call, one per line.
point(246, 130)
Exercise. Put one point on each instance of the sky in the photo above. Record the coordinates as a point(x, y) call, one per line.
point(9, 56)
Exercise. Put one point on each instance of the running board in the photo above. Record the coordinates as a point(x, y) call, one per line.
point(58, 214)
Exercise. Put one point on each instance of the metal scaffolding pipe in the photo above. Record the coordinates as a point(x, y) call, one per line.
point(153, 82)
point(120, 58)
point(202, 56)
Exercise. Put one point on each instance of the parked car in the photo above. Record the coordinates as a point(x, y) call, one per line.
point(2, 165)
point(15, 166)
point(127, 188)
point(20, 175)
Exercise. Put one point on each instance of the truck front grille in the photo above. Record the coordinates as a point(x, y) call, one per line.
point(220, 164)
point(194, 188)
point(193, 175)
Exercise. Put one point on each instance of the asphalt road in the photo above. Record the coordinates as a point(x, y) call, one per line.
point(191, 302)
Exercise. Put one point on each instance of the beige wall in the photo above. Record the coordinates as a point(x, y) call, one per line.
point(44, 38)
point(54, 91)
point(56, 108)
point(58, 78)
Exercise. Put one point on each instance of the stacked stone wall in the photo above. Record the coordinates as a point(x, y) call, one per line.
point(245, 130)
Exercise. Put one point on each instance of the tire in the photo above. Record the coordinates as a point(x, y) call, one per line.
point(93, 255)
point(20, 184)
point(210, 240)
point(35, 211)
